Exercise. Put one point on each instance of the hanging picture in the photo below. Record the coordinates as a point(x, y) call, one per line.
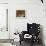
point(20, 13)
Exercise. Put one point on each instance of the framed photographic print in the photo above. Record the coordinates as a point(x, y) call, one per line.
point(20, 13)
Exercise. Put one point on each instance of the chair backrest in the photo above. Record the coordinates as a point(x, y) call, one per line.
point(33, 28)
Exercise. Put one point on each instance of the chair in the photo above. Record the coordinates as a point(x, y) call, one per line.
point(33, 30)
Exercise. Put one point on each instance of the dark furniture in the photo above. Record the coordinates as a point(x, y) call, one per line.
point(42, 1)
point(33, 30)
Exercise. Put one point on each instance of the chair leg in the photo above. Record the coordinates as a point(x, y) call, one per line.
point(20, 42)
point(32, 42)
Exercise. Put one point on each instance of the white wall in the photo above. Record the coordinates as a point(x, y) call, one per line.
point(3, 34)
point(3, 1)
point(3, 21)
point(35, 12)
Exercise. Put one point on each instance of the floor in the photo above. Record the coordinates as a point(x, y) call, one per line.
point(5, 44)
point(27, 44)
point(23, 44)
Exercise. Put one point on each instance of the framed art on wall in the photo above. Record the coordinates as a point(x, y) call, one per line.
point(20, 13)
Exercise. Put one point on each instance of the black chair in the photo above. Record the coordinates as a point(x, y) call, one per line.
point(32, 29)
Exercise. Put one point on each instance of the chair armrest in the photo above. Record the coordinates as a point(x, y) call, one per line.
point(22, 35)
point(24, 32)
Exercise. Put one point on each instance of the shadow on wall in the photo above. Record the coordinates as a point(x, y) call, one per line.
point(41, 34)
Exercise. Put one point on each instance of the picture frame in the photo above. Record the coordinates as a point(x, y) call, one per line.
point(20, 13)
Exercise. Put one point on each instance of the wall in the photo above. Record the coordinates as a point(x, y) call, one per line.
point(4, 34)
point(3, 8)
point(3, 21)
point(3, 1)
point(35, 12)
